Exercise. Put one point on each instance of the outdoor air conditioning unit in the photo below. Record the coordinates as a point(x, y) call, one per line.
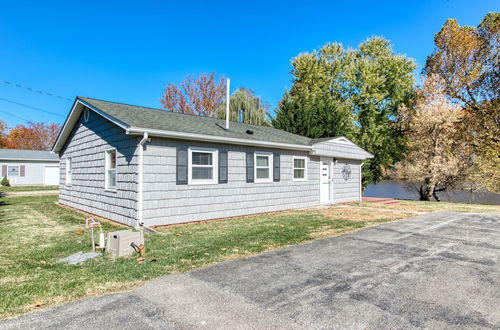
point(120, 243)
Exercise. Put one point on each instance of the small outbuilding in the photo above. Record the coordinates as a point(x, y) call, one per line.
point(139, 165)
point(30, 167)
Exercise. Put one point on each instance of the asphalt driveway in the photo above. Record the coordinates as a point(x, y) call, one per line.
point(437, 270)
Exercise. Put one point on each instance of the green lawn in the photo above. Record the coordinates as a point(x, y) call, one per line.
point(35, 232)
point(26, 188)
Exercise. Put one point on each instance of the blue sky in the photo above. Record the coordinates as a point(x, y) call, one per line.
point(127, 51)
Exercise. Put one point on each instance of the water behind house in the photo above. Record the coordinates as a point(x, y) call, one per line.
point(397, 189)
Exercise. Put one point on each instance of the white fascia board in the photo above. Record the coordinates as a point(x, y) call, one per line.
point(314, 153)
point(105, 115)
point(344, 140)
point(217, 139)
point(73, 116)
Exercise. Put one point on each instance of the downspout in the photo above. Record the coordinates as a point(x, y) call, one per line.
point(140, 221)
point(361, 182)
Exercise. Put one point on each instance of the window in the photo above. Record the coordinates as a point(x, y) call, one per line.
point(13, 171)
point(110, 169)
point(299, 168)
point(68, 170)
point(263, 167)
point(202, 166)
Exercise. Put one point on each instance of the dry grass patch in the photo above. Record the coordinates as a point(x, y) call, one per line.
point(363, 214)
point(420, 206)
point(327, 231)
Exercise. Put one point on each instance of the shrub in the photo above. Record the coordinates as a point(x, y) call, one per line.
point(5, 182)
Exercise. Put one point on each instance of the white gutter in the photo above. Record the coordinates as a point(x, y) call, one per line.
point(360, 182)
point(213, 138)
point(140, 221)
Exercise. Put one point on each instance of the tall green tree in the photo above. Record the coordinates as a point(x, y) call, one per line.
point(316, 105)
point(254, 109)
point(351, 92)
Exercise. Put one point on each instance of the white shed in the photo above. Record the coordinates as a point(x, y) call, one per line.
point(30, 167)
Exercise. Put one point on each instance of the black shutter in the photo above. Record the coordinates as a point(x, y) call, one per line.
point(182, 165)
point(276, 167)
point(250, 166)
point(222, 166)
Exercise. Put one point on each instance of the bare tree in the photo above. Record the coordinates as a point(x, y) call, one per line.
point(200, 96)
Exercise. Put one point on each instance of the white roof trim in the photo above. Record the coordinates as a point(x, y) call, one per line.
point(315, 153)
point(214, 138)
point(342, 140)
point(72, 118)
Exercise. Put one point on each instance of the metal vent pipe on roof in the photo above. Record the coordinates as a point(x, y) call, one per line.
point(227, 103)
point(241, 116)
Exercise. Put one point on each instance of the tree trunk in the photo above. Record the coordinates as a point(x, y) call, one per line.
point(434, 194)
point(426, 192)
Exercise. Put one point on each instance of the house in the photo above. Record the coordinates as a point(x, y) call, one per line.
point(139, 165)
point(29, 167)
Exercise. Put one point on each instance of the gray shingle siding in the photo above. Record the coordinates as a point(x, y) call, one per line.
point(346, 190)
point(86, 146)
point(165, 202)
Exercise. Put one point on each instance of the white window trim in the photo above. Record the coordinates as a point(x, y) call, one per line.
point(18, 171)
point(68, 172)
point(305, 168)
point(215, 166)
point(271, 166)
point(106, 181)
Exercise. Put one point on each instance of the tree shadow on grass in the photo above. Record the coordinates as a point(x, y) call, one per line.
point(4, 220)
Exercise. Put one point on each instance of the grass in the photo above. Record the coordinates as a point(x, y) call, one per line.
point(35, 232)
point(420, 206)
point(5, 189)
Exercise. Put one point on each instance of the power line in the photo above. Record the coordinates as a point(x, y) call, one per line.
point(31, 107)
point(35, 90)
point(16, 116)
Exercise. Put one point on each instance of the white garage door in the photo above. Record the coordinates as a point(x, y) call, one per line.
point(51, 175)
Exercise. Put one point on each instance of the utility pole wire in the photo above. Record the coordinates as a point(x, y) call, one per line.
point(35, 90)
point(31, 107)
point(10, 114)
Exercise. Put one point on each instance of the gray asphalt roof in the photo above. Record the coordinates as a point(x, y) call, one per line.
point(159, 119)
point(23, 154)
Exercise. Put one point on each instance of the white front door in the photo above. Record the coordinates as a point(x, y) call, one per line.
point(326, 180)
point(51, 176)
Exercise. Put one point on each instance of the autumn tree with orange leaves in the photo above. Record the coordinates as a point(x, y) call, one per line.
point(467, 60)
point(200, 96)
point(34, 136)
